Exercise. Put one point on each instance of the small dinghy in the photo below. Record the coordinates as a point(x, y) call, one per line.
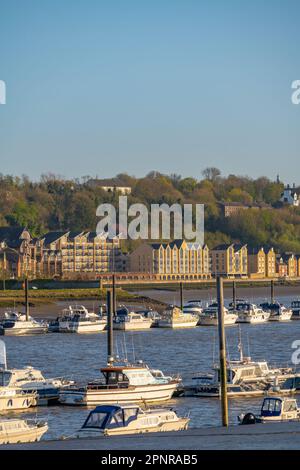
point(273, 409)
point(109, 420)
point(13, 431)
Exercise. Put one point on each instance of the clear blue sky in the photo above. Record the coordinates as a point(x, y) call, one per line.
point(101, 87)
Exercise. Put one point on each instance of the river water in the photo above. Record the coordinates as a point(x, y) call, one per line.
point(174, 351)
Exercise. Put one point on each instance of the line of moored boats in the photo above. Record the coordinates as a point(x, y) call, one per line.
point(122, 395)
point(77, 318)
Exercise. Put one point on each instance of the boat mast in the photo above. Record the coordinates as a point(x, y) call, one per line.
point(110, 346)
point(240, 345)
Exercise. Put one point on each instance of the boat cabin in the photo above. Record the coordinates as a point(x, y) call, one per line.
point(123, 377)
point(13, 377)
point(109, 417)
point(274, 408)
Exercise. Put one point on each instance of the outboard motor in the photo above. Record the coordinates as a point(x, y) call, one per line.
point(249, 418)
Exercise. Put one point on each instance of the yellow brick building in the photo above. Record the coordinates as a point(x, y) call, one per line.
point(230, 260)
point(178, 258)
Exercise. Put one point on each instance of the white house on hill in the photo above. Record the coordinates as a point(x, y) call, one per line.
point(290, 196)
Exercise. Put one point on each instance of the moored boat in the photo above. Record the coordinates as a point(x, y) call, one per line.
point(122, 384)
point(14, 398)
point(193, 306)
point(13, 431)
point(77, 319)
point(18, 324)
point(209, 316)
point(118, 420)
point(250, 313)
point(173, 317)
point(278, 312)
point(273, 409)
point(295, 307)
point(30, 380)
point(132, 321)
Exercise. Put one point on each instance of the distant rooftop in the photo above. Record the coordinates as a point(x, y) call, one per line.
point(109, 182)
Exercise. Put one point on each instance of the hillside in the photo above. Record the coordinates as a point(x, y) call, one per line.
point(54, 203)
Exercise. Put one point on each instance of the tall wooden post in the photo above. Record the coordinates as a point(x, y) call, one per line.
point(272, 291)
point(181, 295)
point(4, 269)
point(110, 345)
point(114, 299)
point(234, 294)
point(26, 299)
point(222, 349)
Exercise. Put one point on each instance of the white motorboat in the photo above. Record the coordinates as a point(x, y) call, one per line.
point(153, 315)
point(295, 307)
point(193, 306)
point(278, 312)
point(173, 317)
point(109, 420)
point(17, 324)
point(209, 316)
point(14, 398)
point(245, 378)
point(273, 409)
point(250, 313)
point(77, 319)
point(132, 321)
point(122, 384)
point(14, 431)
point(30, 380)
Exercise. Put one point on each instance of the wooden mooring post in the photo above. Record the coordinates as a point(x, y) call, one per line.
point(110, 341)
point(26, 299)
point(234, 294)
point(272, 291)
point(181, 295)
point(222, 351)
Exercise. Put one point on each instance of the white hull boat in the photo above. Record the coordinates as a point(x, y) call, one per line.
point(250, 313)
point(15, 399)
point(14, 431)
point(295, 307)
point(17, 324)
point(274, 409)
point(124, 420)
point(284, 316)
point(132, 321)
point(173, 317)
point(122, 384)
point(209, 316)
point(30, 380)
point(77, 319)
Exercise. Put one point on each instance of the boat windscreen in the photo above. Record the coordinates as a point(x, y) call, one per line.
point(271, 407)
point(96, 420)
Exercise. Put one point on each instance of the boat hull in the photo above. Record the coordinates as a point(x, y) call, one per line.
point(81, 328)
point(131, 326)
point(17, 402)
point(23, 331)
point(139, 394)
point(30, 435)
point(180, 425)
point(212, 321)
point(179, 324)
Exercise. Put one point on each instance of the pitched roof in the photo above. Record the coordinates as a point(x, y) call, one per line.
point(11, 235)
point(109, 182)
point(51, 237)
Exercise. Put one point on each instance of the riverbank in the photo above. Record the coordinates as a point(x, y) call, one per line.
point(273, 436)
